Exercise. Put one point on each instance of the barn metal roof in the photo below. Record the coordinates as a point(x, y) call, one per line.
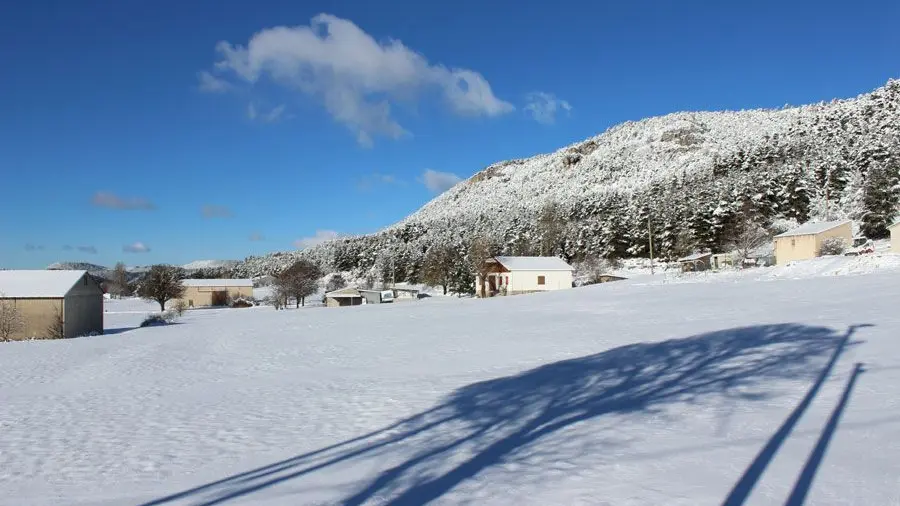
point(694, 257)
point(813, 228)
point(534, 263)
point(37, 284)
point(218, 282)
point(344, 293)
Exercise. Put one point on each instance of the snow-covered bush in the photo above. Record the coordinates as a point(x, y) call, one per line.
point(242, 302)
point(179, 307)
point(832, 246)
point(165, 318)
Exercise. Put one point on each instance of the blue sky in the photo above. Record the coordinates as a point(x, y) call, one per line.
point(173, 131)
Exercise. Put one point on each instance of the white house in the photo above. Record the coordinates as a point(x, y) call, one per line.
point(516, 275)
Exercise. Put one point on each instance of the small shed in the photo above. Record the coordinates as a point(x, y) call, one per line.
point(895, 237)
point(52, 304)
point(804, 242)
point(405, 293)
point(721, 260)
point(696, 262)
point(215, 292)
point(344, 297)
point(377, 296)
point(517, 275)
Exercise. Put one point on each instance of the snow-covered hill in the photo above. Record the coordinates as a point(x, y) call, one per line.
point(621, 394)
point(688, 176)
point(209, 264)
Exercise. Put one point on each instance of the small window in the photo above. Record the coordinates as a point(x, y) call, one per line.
point(542, 280)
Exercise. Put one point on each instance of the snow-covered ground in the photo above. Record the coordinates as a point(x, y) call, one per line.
point(638, 270)
point(623, 393)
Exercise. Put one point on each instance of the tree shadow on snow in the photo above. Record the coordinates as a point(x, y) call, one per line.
point(509, 420)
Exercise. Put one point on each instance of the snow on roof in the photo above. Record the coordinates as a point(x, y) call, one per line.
point(895, 224)
point(695, 256)
point(35, 284)
point(813, 228)
point(217, 282)
point(534, 263)
point(343, 293)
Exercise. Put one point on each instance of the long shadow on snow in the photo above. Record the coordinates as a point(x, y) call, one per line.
point(503, 420)
point(742, 489)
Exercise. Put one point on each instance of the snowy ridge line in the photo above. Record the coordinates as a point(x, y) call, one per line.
point(687, 171)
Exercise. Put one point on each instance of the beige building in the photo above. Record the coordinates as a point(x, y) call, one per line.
point(895, 237)
point(215, 292)
point(804, 242)
point(344, 297)
point(52, 304)
point(517, 275)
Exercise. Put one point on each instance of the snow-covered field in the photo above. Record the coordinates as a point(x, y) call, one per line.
point(624, 393)
point(878, 263)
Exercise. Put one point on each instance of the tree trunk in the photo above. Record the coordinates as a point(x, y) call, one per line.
point(162, 305)
point(303, 301)
point(445, 289)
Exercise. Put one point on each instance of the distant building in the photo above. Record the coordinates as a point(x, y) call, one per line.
point(344, 297)
point(215, 292)
point(377, 296)
point(696, 262)
point(67, 303)
point(895, 237)
point(517, 275)
point(804, 242)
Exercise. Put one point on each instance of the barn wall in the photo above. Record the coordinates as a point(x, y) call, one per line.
point(83, 314)
point(38, 316)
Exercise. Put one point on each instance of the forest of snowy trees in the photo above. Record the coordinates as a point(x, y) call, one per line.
point(696, 180)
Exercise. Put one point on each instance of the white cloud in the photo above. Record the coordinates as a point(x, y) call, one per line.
point(256, 236)
point(137, 247)
point(271, 116)
point(543, 107)
point(439, 182)
point(354, 76)
point(214, 211)
point(369, 182)
point(113, 201)
point(320, 237)
point(212, 84)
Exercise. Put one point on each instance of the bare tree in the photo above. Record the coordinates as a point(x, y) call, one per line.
point(57, 328)
point(437, 268)
point(481, 251)
point(119, 286)
point(161, 284)
point(335, 283)
point(299, 280)
point(11, 320)
point(745, 235)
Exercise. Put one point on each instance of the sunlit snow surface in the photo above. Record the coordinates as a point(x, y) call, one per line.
point(639, 392)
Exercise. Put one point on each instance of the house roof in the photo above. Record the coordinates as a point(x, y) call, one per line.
point(344, 293)
point(813, 228)
point(694, 257)
point(534, 263)
point(894, 225)
point(217, 282)
point(38, 284)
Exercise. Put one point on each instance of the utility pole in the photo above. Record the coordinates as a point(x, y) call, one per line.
point(650, 238)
